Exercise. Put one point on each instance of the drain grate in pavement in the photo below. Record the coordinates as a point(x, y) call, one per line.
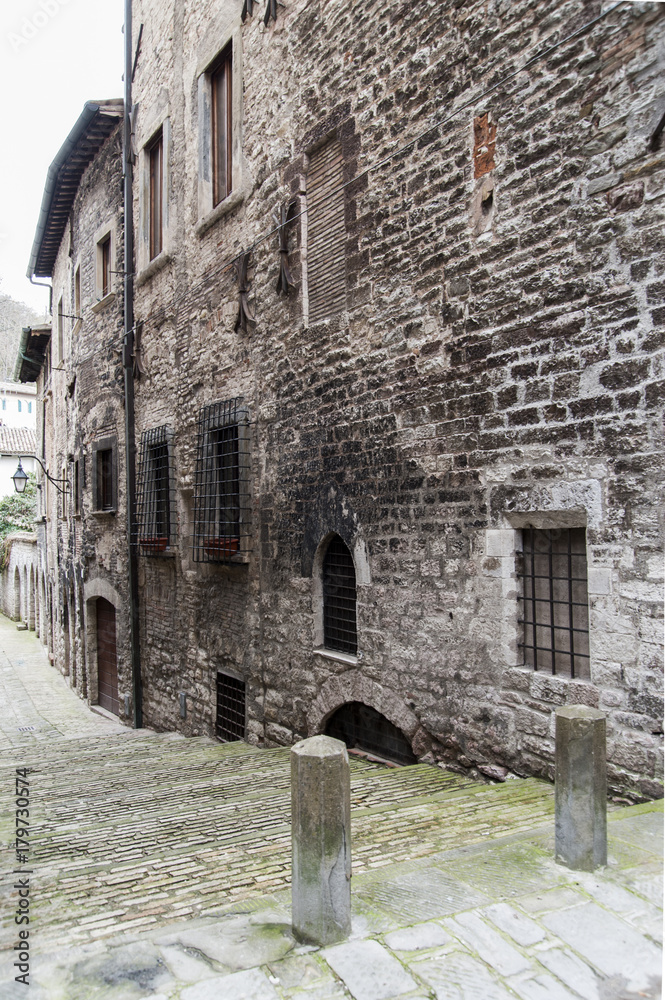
point(26, 729)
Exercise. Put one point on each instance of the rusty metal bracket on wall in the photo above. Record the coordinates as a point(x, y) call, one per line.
point(245, 315)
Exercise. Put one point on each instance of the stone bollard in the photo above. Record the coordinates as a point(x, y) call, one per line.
point(580, 793)
point(321, 840)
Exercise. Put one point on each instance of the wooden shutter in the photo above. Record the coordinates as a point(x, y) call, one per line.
point(326, 233)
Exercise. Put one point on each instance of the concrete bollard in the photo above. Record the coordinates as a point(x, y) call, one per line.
point(321, 840)
point(580, 793)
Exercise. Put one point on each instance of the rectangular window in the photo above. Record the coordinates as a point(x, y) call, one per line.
point(230, 722)
point(326, 233)
point(29, 407)
point(156, 160)
point(105, 265)
point(222, 120)
point(221, 504)
point(63, 496)
point(19, 405)
point(77, 488)
point(104, 477)
point(155, 492)
point(555, 614)
point(77, 292)
point(4, 404)
point(61, 331)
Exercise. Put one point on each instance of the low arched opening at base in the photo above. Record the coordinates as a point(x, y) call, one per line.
point(363, 728)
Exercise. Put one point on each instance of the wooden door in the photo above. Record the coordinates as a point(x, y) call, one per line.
point(107, 661)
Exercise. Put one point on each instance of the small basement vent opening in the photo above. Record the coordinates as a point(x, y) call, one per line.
point(363, 728)
point(230, 722)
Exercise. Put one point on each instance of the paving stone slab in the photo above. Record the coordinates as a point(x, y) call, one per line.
point(488, 943)
point(573, 972)
point(460, 976)
point(368, 971)
point(521, 929)
point(542, 987)
point(608, 943)
point(417, 938)
point(251, 984)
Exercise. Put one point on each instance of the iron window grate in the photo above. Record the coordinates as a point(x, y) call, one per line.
point(555, 614)
point(230, 722)
point(155, 495)
point(339, 599)
point(221, 500)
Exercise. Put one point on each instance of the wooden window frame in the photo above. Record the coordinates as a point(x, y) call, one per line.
point(155, 159)
point(105, 492)
point(221, 132)
point(106, 280)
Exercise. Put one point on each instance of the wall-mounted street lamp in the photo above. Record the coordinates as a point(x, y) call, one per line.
point(20, 477)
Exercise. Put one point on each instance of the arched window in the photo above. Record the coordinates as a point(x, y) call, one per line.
point(339, 598)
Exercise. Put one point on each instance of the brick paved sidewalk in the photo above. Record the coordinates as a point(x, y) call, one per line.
point(162, 870)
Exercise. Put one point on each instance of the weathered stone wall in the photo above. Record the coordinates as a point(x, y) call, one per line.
point(19, 580)
point(499, 364)
point(83, 393)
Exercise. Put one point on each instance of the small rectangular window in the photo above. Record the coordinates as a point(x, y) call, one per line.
point(230, 722)
point(29, 407)
point(552, 568)
point(61, 330)
point(4, 404)
point(222, 159)
point(19, 405)
point(155, 492)
point(77, 488)
point(105, 265)
point(221, 503)
point(104, 476)
point(326, 233)
point(77, 292)
point(156, 157)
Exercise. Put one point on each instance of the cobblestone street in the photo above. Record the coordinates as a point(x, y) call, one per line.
point(161, 869)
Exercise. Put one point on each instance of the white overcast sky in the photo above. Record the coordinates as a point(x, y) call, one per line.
point(54, 56)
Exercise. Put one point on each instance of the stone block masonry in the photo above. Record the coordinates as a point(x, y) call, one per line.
point(497, 367)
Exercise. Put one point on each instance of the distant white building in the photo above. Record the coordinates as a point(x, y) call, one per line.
point(18, 405)
point(17, 431)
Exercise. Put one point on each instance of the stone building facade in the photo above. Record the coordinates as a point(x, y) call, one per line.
point(399, 469)
point(80, 428)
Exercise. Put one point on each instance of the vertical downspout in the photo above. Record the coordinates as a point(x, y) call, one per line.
point(128, 364)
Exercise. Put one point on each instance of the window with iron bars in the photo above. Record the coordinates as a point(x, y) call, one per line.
point(221, 499)
point(552, 568)
point(339, 598)
point(155, 494)
point(230, 721)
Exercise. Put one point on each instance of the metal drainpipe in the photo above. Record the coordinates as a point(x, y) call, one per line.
point(128, 364)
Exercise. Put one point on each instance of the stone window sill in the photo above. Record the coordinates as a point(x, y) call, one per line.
point(155, 265)
point(230, 202)
point(104, 513)
point(101, 304)
point(332, 654)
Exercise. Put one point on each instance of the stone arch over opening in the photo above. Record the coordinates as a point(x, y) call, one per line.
point(93, 591)
point(17, 594)
point(353, 686)
point(365, 729)
point(358, 552)
point(31, 600)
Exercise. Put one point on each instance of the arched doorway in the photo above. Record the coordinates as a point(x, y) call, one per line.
point(364, 728)
point(107, 660)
